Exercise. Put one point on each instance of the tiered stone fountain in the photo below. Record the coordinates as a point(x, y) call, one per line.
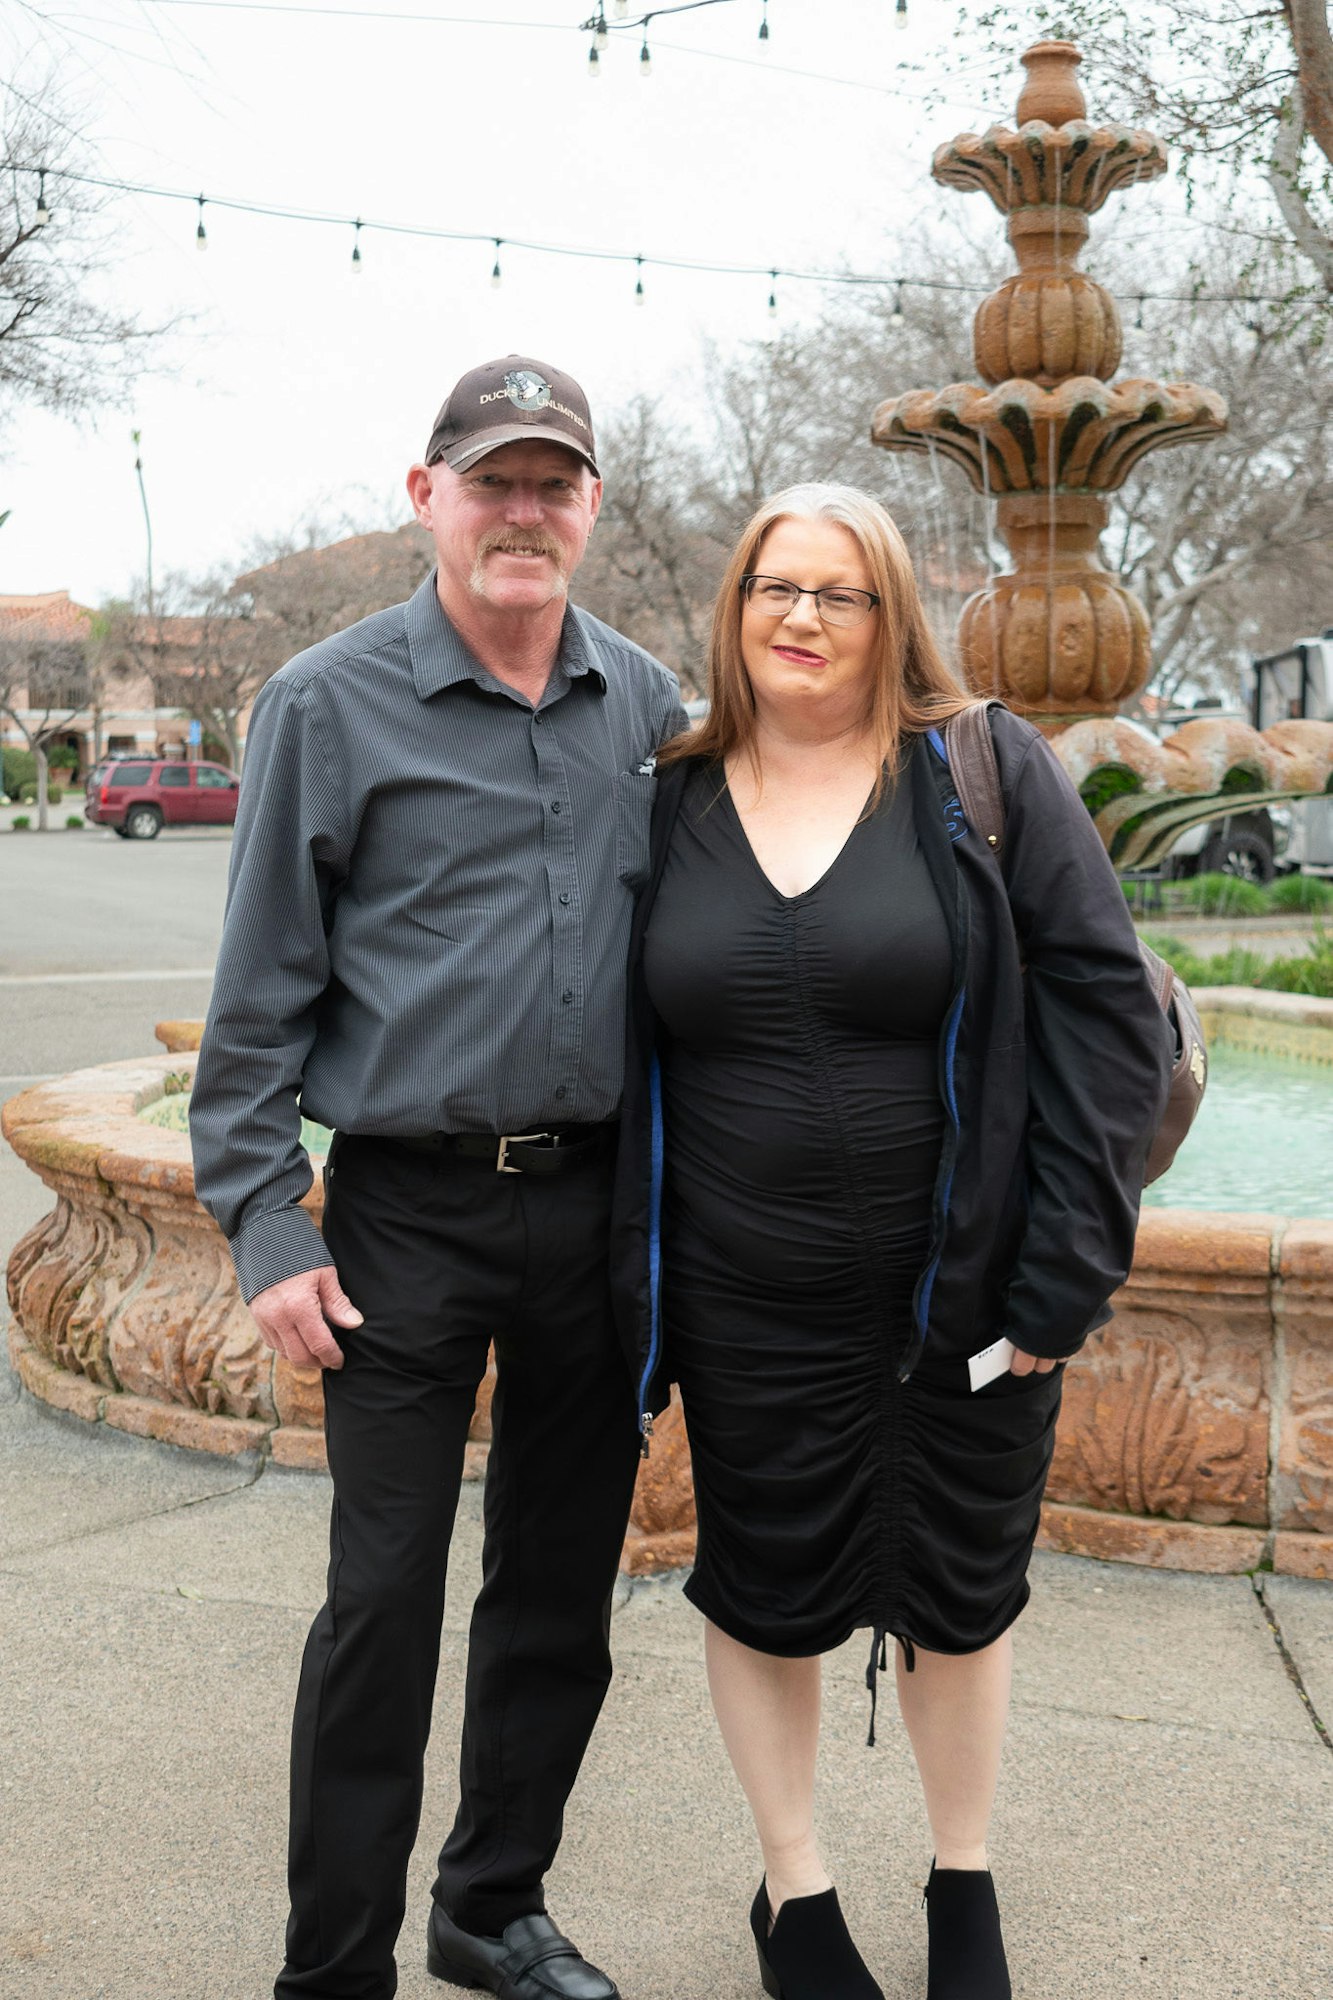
point(1060, 639)
point(1198, 1426)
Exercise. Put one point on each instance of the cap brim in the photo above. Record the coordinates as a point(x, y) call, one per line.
point(462, 456)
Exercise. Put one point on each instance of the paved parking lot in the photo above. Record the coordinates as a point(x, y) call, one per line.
point(89, 902)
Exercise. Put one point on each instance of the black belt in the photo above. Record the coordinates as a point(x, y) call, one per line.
point(559, 1150)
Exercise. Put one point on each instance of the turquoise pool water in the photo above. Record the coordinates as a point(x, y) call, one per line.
point(1263, 1139)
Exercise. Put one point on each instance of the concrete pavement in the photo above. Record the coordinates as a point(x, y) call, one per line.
point(1163, 1826)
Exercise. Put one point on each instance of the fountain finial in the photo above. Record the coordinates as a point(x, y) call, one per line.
point(1052, 92)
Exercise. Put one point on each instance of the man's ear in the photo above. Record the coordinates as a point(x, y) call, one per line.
point(419, 488)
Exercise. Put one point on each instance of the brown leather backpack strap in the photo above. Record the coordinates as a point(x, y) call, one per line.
point(976, 774)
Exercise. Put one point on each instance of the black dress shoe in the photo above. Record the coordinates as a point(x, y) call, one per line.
point(530, 1960)
point(808, 1954)
point(967, 1959)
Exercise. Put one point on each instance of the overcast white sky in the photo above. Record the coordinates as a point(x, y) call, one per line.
point(301, 387)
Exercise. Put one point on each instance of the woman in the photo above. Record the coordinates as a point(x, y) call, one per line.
point(889, 1101)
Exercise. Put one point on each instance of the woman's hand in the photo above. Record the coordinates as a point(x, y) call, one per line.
point(1029, 1364)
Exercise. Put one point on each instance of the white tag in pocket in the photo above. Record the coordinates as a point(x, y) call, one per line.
point(990, 1364)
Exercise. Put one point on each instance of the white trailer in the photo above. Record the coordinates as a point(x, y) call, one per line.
point(1297, 686)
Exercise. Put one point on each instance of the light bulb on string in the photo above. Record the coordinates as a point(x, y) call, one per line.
point(622, 8)
point(201, 234)
point(602, 34)
point(639, 293)
point(773, 297)
point(594, 64)
point(900, 14)
point(497, 275)
point(645, 59)
point(763, 27)
point(356, 248)
point(897, 316)
point(43, 215)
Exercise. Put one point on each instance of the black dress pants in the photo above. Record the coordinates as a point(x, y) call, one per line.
point(442, 1255)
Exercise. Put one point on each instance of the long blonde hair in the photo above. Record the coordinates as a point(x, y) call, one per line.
point(913, 688)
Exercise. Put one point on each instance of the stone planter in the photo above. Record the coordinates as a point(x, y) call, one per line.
point(1197, 1430)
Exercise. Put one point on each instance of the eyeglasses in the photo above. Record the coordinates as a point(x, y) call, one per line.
point(774, 597)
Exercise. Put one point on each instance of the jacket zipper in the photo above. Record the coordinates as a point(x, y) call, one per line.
point(926, 1282)
point(654, 1255)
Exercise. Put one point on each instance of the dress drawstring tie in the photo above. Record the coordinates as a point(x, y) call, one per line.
point(879, 1660)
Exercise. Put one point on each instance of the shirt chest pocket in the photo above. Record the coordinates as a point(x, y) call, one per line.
point(634, 812)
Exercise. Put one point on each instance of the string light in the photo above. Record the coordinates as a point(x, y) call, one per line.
point(497, 274)
point(645, 58)
point(773, 296)
point(201, 234)
point(622, 8)
point(43, 215)
point(880, 280)
point(602, 33)
point(763, 26)
point(638, 287)
point(900, 14)
point(356, 248)
point(594, 63)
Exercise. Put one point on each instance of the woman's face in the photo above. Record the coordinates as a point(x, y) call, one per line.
point(796, 662)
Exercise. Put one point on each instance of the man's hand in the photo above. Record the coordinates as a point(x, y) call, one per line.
point(1025, 1364)
point(294, 1317)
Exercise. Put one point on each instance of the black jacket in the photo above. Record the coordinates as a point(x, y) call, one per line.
point(1054, 1065)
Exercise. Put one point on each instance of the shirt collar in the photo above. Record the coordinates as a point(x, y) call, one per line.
point(440, 657)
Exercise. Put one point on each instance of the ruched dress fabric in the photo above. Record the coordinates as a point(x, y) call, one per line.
point(804, 1118)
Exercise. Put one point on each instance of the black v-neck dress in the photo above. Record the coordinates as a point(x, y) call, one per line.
point(804, 1120)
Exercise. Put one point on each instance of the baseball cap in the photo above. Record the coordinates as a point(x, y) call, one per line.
point(505, 402)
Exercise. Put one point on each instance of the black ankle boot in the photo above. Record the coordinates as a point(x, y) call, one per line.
point(809, 1954)
point(967, 1959)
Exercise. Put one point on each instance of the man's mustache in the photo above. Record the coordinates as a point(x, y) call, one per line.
point(512, 543)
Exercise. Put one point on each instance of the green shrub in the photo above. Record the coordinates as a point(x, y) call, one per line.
point(28, 795)
point(1224, 896)
point(1312, 974)
point(73, 819)
point(22, 823)
point(1301, 892)
point(1236, 967)
point(17, 767)
point(63, 758)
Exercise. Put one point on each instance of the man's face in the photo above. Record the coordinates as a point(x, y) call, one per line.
point(511, 530)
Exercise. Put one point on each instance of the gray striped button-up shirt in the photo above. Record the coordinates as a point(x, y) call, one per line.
point(428, 909)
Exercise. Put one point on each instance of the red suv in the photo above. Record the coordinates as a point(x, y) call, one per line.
point(138, 798)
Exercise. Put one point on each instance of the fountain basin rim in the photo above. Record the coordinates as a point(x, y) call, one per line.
point(1011, 138)
point(86, 1125)
point(1127, 400)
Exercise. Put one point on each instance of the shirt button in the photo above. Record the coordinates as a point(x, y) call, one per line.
point(561, 1092)
point(555, 805)
point(564, 896)
point(566, 996)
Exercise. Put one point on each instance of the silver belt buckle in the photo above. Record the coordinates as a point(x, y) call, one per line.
point(502, 1165)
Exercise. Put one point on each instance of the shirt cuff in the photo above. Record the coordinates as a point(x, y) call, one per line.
point(276, 1246)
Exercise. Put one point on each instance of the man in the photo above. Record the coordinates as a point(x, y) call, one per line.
point(443, 822)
